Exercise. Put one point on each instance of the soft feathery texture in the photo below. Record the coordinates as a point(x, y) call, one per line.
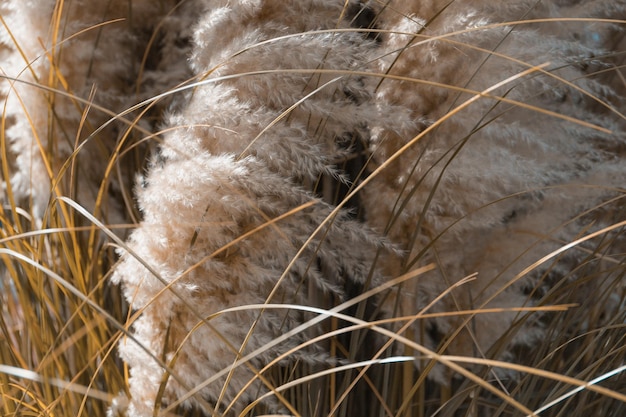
point(498, 186)
point(68, 69)
point(251, 154)
point(277, 99)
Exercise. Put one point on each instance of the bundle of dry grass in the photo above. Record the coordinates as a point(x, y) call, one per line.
point(447, 174)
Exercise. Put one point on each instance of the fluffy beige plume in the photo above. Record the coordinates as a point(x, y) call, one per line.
point(495, 184)
point(68, 69)
point(485, 135)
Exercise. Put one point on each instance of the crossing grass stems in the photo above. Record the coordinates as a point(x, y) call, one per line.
point(312, 207)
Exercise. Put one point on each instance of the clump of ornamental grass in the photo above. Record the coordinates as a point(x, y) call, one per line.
point(313, 208)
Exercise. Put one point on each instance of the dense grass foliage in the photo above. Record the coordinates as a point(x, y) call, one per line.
point(312, 208)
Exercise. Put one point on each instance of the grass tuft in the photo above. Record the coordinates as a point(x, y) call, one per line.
point(376, 351)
